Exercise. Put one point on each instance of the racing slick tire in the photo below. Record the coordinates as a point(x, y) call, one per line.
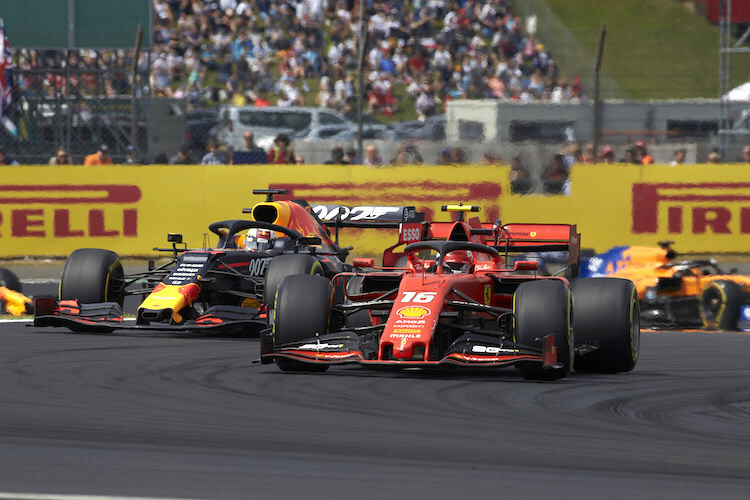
point(287, 265)
point(606, 317)
point(720, 305)
point(542, 307)
point(92, 275)
point(303, 308)
point(9, 280)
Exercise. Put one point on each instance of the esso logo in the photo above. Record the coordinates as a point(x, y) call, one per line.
point(410, 234)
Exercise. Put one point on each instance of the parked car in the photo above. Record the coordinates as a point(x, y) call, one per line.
point(267, 123)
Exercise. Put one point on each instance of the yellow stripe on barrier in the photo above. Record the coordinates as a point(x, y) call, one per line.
point(52, 210)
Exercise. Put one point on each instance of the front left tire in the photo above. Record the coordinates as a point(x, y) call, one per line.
point(92, 275)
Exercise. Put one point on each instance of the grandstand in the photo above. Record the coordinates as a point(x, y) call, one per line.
point(419, 56)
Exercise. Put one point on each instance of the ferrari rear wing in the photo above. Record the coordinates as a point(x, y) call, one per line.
point(525, 238)
point(538, 238)
point(367, 216)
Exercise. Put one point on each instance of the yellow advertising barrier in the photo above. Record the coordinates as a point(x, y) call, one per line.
point(51, 211)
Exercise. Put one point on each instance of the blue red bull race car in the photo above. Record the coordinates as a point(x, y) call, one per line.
point(229, 288)
point(458, 302)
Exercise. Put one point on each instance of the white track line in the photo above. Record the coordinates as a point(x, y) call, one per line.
point(40, 281)
point(46, 496)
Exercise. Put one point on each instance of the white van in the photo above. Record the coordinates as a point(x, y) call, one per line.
point(298, 123)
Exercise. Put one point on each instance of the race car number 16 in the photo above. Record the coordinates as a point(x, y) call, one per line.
point(421, 297)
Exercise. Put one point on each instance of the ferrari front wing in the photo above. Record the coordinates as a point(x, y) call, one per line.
point(467, 351)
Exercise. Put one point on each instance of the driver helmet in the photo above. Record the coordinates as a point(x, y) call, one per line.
point(259, 240)
point(459, 260)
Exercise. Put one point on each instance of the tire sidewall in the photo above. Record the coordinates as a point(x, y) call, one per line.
point(89, 274)
point(287, 265)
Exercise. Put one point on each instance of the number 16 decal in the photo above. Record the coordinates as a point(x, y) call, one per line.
point(420, 297)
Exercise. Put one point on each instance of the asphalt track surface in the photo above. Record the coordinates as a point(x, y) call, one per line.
point(149, 414)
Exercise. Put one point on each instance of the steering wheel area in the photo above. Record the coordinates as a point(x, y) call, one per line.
point(443, 248)
point(227, 229)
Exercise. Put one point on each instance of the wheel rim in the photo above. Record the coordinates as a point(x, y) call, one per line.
point(635, 329)
point(711, 304)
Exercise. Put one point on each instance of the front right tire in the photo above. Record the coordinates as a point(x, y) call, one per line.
point(541, 308)
point(720, 305)
point(303, 309)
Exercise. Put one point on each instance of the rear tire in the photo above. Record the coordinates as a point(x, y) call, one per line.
point(606, 314)
point(303, 308)
point(287, 265)
point(541, 308)
point(720, 305)
point(92, 275)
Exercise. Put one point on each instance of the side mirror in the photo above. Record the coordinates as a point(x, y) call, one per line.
point(526, 265)
point(362, 262)
point(309, 241)
point(174, 238)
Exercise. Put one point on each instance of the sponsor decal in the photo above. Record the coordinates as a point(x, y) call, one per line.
point(403, 344)
point(258, 267)
point(483, 359)
point(691, 208)
point(410, 233)
point(409, 322)
point(250, 303)
point(357, 213)
point(532, 234)
point(332, 355)
point(487, 294)
point(406, 331)
point(413, 312)
point(405, 335)
point(184, 273)
point(66, 211)
point(427, 197)
point(189, 292)
point(319, 346)
point(488, 349)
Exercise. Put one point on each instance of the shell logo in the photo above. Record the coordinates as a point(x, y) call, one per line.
point(533, 234)
point(413, 312)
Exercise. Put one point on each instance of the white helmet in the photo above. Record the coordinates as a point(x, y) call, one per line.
point(258, 240)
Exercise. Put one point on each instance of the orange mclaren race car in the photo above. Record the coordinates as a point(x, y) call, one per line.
point(230, 287)
point(457, 303)
point(677, 293)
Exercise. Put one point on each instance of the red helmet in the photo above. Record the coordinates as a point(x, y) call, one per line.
point(459, 260)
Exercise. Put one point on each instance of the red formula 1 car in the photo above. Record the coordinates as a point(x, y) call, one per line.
point(229, 288)
point(458, 302)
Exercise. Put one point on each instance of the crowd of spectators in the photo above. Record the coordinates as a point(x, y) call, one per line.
point(271, 53)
